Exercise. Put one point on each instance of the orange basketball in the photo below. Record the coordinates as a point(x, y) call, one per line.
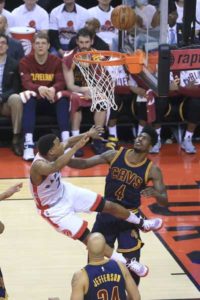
point(123, 17)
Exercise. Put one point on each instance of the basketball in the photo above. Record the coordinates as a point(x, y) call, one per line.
point(123, 17)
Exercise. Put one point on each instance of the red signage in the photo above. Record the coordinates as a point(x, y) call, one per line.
point(185, 59)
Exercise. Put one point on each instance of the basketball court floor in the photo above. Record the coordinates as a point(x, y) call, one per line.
point(38, 263)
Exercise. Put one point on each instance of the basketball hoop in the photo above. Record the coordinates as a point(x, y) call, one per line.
point(101, 70)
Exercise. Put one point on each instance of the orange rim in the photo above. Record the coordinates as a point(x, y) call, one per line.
point(119, 58)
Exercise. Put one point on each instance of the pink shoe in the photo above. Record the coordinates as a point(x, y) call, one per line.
point(152, 224)
point(138, 268)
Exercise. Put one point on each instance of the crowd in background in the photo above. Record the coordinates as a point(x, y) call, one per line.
point(44, 80)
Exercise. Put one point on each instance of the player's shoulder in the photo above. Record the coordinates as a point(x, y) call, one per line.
point(154, 171)
point(80, 8)
point(41, 10)
point(79, 277)
point(18, 9)
point(57, 9)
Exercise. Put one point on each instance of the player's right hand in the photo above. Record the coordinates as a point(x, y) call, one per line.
point(13, 189)
point(82, 142)
point(95, 132)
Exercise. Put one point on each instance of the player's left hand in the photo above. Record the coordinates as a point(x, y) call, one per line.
point(95, 132)
point(13, 189)
point(149, 192)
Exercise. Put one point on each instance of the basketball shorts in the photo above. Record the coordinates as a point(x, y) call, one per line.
point(62, 216)
point(126, 234)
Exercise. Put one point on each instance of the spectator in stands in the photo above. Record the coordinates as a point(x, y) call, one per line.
point(76, 83)
point(43, 83)
point(124, 99)
point(145, 34)
point(179, 7)
point(15, 48)
point(107, 32)
point(10, 103)
point(161, 109)
point(187, 85)
point(7, 14)
point(93, 25)
point(32, 15)
point(65, 20)
point(145, 13)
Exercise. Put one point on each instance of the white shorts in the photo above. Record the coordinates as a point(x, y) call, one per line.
point(62, 216)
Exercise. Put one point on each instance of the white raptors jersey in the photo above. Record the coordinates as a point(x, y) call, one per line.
point(50, 191)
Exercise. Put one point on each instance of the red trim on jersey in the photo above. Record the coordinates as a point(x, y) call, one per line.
point(96, 203)
point(37, 198)
point(81, 231)
point(49, 220)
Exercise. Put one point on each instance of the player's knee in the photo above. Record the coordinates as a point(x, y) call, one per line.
point(1, 227)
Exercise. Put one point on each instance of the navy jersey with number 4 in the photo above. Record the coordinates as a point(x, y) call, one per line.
point(106, 281)
point(125, 181)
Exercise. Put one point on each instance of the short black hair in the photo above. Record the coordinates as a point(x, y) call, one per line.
point(45, 143)
point(84, 32)
point(152, 133)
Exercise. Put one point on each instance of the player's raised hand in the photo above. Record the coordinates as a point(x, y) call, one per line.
point(13, 189)
point(149, 192)
point(95, 132)
point(82, 142)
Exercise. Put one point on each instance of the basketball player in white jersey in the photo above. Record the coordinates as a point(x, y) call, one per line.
point(58, 202)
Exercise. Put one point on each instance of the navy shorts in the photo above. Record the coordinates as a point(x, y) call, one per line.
point(113, 229)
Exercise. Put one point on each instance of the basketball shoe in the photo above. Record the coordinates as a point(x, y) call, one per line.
point(151, 224)
point(28, 152)
point(138, 268)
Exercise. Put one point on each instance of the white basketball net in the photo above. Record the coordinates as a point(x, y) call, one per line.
point(101, 81)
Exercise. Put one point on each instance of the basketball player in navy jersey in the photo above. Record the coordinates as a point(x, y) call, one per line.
point(130, 171)
point(102, 278)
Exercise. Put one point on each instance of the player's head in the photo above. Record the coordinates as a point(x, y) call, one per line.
point(3, 24)
point(84, 39)
point(92, 25)
point(140, 3)
point(1, 227)
point(96, 245)
point(146, 139)
point(30, 4)
point(2, 4)
point(3, 44)
point(41, 43)
point(50, 146)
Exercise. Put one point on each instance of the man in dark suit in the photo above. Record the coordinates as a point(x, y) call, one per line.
point(92, 25)
point(15, 48)
point(10, 102)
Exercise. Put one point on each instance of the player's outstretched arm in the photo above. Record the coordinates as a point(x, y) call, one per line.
point(81, 163)
point(131, 287)
point(158, 191)
point(10, 191)
point(41, 167)
point(79, 286)
point(93, 133)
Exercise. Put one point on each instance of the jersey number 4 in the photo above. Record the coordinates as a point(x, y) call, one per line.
point(103, 294)
point(119, 194)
